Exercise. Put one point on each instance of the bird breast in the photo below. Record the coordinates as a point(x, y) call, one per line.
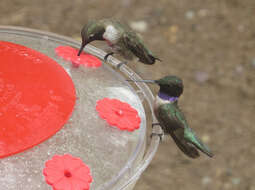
point(157, 103)
point(111, 34)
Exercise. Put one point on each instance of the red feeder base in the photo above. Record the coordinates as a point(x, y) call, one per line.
point(37, 97)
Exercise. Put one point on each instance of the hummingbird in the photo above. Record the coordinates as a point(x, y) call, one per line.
point(172, 119)
point(119, 37)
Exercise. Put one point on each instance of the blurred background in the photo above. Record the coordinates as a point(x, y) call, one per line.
point(210, 44)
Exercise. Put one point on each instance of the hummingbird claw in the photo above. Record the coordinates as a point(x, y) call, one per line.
point(120, 64)
point(157, 134)
point(154, 124)
point(107, 55)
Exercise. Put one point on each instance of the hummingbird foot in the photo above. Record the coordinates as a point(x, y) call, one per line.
point(157, 134)
point(107, 55)
point(154, 124)
point(120, 64)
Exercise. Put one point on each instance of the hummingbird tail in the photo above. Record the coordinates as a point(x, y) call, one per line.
point(151, 60)
point(156, 58)
point(188, 150)
point(203, 148)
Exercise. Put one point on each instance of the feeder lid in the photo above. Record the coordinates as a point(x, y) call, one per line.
point(108, 151)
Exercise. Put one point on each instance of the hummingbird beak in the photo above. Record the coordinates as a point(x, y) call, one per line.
point(81, 48)
point(146, 81)
point(85, 41)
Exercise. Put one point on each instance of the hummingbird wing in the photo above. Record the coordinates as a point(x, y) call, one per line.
point(191, 137)
point(168, 116)
point(182, 144)
point(173, 122)
point(133, 43)
point(113, 34)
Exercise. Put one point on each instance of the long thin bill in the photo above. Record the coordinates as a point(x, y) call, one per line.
point(82, 47)
point(146, 81)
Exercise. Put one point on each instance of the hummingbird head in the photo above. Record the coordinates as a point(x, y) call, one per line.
point(170, 85)
point(90, 32)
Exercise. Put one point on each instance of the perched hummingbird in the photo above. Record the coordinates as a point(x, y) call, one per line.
point(171, 118)
point(119, 37)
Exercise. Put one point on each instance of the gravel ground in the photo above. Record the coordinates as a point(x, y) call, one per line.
point(210, 44)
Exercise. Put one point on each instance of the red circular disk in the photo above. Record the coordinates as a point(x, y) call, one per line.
point(70, 54)
point(119, 114)
point(65, 172)
point(37, 97)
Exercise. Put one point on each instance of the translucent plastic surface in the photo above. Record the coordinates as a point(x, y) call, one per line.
point(116, 158)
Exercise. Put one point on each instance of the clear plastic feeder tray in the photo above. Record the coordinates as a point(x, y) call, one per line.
point(116, 158)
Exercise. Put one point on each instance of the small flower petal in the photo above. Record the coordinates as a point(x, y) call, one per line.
point(52, 175)
point(67, 173)
point(119, 114)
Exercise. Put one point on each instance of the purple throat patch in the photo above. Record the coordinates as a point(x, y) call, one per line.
point(167, 97)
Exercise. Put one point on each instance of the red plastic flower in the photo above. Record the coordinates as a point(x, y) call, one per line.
point(119, 114)
point(70, 54)
point(67, 173)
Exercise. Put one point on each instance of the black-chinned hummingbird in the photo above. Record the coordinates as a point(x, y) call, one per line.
point(118, 36)
point(172, 119)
